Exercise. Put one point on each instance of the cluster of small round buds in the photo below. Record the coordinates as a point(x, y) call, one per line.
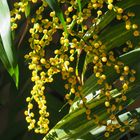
point(110, 4)
point(19, 7)
point(41, 36)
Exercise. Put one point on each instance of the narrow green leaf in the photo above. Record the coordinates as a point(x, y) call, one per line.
point(131, 58)
point(108, 17)
point(114, 37)
point(54, 5)
point(27, 10)
point(117, 134)
point(5, 29)
point(4, 59)
point(80, 125)
point(79, 5)
point(102, 22)
point(137, 129)
point(6, 49)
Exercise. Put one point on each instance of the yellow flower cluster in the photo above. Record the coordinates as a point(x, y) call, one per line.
point(19, 7)
point(65, 58)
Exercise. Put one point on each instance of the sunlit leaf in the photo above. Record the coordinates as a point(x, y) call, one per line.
point(129, 58)
point(6, 49)
point(107, 17)
point(81, 126)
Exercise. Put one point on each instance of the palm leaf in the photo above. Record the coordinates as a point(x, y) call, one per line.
point(74, 125)
point(7, 52)
point(131, 58)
